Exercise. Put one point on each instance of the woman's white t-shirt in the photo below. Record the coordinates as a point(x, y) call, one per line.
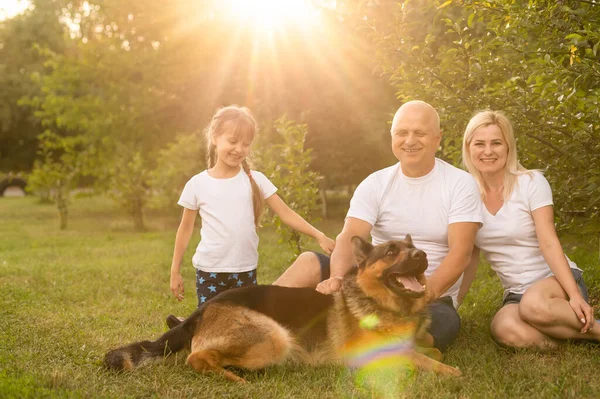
point(229, 242)
point(509, 240)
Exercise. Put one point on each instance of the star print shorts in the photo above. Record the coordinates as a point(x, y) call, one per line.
point(209, 285)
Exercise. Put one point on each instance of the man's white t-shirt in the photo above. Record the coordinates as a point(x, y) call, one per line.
point(509, 240)
point(229, 241)
point(396, 205)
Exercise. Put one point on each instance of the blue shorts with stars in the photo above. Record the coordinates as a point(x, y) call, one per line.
point(209, 285)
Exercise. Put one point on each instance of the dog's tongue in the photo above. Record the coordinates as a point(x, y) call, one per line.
point(410, 283)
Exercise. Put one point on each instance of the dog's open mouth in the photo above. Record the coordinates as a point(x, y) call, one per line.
point(409, 284)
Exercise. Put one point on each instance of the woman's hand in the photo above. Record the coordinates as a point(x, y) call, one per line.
point(584, 312)
point(326, 243)
point(177, 285)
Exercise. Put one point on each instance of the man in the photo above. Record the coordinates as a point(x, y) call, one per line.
point(436, 203)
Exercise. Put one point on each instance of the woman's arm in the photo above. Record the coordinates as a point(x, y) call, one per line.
point(296, 222)
point(184, 233)
point(555, 258)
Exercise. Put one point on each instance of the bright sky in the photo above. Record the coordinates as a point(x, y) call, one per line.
point(10, 8)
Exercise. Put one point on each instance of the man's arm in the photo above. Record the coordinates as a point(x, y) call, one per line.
point(342, 257)
point(461, 240)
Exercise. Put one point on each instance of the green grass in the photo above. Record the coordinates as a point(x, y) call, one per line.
point(67, 297)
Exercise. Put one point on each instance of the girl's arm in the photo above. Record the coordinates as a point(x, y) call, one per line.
point(296, 222)
point(468, 275)
point(555, 257)
point(184, 233)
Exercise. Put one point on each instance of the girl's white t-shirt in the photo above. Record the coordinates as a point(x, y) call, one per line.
point(509, 240)
point(229, 242)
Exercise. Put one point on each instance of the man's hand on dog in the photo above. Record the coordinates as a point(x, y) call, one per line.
point(326, 243)
point(177, 286)
point(330, 285)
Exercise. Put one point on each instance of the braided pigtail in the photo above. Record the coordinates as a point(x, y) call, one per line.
point(258, 202)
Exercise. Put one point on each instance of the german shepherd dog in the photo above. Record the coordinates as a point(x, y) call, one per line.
point(255, 327)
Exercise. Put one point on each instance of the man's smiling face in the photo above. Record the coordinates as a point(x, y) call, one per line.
point(415, 138)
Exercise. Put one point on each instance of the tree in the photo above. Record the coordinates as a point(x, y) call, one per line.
point(536, 60)
point(20, 39)
point(56, 171)
point(287, 166)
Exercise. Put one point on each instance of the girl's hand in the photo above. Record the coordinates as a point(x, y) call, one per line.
point(326, 243)
point(177, 286)
point(584, 312)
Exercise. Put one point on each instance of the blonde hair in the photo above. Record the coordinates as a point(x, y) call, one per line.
point(241, 120)
point(512, 169)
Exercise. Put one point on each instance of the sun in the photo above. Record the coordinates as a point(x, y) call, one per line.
point(272, 15)
point(11, 8)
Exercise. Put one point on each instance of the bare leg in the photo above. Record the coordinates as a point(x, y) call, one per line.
point(508, 328)
point(545, 306)
point(304, 272)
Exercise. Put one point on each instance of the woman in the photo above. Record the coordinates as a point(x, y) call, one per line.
point(545, 298)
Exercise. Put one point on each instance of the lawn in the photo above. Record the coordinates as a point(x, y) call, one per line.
point(69, 296)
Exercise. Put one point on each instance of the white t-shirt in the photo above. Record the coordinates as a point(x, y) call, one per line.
point(396, 205)
point(229, 241)
point(508, 239)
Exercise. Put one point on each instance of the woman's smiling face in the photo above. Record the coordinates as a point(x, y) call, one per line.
point(488, 149)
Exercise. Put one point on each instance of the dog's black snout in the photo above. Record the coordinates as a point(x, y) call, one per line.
point(417, 254)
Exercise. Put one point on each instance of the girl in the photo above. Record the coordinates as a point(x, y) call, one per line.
point(230, 199)
point(545, 298)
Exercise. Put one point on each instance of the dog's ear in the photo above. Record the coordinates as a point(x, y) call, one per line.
point(361, 248)
point(408, 239)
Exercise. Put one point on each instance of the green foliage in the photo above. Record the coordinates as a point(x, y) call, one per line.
point(127, 181)
point(286, 164)
point(20, 39)
point(175, 165)
point(536, 60)
point(57, 170)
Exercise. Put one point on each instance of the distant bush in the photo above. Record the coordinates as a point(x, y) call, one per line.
point(176, 164)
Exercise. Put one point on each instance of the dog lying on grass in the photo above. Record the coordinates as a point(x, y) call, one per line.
point(382, 305)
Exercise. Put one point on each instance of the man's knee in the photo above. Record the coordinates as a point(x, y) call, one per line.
point(304, 272)
point(309, 259)
point(445, 323)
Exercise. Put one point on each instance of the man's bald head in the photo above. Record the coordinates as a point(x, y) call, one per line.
point(422, 108)
point(416, 136)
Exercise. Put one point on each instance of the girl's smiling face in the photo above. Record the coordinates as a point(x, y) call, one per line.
point(232, 147)
point(488, 149)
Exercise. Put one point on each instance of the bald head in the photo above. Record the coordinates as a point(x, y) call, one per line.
point(421, 108)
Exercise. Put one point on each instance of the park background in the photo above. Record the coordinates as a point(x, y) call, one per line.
point(102, 106)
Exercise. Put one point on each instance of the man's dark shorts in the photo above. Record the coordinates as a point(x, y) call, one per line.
point(511, 297)
point(445, 321)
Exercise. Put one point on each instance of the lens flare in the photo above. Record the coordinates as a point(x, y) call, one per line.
point(381, 360)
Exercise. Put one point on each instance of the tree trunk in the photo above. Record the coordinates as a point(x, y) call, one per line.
point(63, 207)
point(323, 195)
point(138, 215)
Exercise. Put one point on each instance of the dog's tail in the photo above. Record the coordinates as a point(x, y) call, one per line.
point(133, 355)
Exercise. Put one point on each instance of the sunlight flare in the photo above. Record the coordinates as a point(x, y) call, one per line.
point(272, 15)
